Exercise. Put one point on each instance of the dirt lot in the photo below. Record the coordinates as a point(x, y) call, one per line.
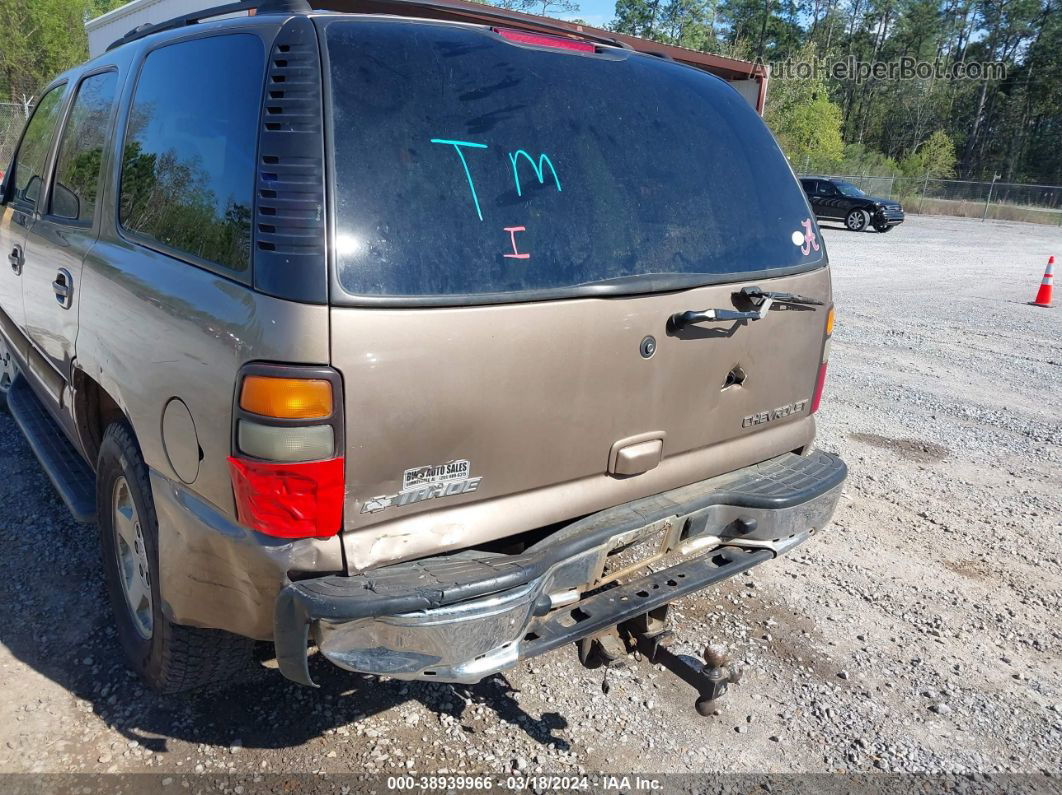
point(921, 632)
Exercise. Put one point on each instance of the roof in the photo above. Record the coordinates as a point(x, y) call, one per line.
point(466, 11)
point(144, 17)
point(139, 11)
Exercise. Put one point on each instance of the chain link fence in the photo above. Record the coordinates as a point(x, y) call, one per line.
point(12, 118)
point(1005, 201)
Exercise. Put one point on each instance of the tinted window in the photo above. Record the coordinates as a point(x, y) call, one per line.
point(467, 164)
point(188, 160)
point(848, 189)
point(32, 155)
point(77, 168)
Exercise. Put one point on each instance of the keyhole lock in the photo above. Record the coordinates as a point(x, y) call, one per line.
point(736, 377)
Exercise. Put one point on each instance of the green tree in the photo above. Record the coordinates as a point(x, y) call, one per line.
point(935, 158)
point(638, 18)
point(805, 121)
point(857, 159)
point(41, 38)
point(771, 27)
point(686, 23)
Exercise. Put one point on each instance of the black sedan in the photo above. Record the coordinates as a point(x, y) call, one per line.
point(837, 200)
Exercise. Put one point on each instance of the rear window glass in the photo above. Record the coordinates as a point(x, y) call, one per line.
point(466, 164)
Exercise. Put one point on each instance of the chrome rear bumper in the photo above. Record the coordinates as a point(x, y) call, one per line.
point(463, 617)
point(456, 643)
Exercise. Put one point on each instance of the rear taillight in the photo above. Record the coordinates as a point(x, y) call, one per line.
point(820, 381)
point(287, 465)
point(289, 500)
point(545, 40)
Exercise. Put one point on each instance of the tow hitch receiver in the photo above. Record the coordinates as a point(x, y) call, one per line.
point(648, 637)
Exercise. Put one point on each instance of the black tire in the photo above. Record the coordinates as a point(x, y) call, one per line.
point(857, 220)
point(883, 228)
point(8, 373)
point(171, 658)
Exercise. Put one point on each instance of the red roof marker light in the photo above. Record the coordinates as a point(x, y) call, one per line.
point(544, 40)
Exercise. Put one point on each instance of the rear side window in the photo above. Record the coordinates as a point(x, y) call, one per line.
point(32, 155)
point(77, 169)
point(467, 164)
point(188, 159)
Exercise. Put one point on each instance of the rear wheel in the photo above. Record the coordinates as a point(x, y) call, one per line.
point(170, 657)
point(857, 220)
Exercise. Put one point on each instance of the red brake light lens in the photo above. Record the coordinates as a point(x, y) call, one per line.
point(819, 384)
point(289, 500)
point(543, 40)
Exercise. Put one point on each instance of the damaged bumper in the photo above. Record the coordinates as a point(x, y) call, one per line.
point(464, 616)
point(888, 216)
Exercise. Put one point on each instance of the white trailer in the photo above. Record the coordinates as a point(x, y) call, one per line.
point(116, 23)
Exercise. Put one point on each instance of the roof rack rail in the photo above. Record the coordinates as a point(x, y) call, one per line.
point(303, 6)
point(480, 14)
point(258, 6)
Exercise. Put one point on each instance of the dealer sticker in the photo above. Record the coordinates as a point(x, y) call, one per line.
point(440, 473)
point(427, 483)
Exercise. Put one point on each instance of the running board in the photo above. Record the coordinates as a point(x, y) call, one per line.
point(71, 476)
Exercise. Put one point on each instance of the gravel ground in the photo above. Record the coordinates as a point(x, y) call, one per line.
point(920, 633)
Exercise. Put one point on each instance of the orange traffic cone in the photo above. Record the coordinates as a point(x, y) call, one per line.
point(1043, 297)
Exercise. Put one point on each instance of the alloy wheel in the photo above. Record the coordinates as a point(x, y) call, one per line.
point(132, 557)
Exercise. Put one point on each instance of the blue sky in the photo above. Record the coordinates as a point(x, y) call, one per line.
point(596, 12)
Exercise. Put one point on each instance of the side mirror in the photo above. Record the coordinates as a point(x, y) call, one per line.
point(65, 203)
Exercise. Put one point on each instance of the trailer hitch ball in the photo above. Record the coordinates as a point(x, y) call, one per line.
point(715, 655)
point(715, 676)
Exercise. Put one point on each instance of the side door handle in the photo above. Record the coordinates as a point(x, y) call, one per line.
point(63, 286)
point(16, 259)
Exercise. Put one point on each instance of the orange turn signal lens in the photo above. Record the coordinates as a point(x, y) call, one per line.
point(829, 322)
point(286, 398)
